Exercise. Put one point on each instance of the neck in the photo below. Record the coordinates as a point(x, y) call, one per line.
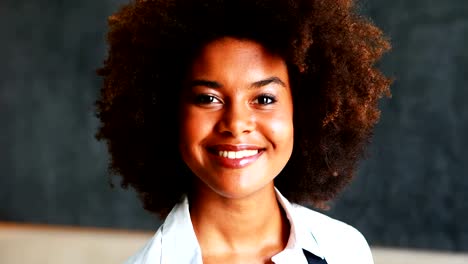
point(238, 226)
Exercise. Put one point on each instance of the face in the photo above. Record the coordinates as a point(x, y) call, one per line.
point(236, 118)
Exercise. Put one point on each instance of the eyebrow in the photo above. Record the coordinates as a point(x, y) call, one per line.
point(257, 84)
point(267, 81)
point(205, 83)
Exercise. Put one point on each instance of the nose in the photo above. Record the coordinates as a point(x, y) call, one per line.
point(237, 119)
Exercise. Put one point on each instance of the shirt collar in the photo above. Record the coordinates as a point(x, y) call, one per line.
point(180, 244)
point(301, 235)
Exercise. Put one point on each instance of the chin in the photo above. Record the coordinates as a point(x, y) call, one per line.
point(240, 191)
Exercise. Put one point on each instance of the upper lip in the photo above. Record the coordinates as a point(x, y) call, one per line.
point(229, 147)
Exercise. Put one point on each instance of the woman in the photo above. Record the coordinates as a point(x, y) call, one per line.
point(228, 111)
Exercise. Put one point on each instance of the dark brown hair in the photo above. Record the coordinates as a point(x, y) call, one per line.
point(330, 51)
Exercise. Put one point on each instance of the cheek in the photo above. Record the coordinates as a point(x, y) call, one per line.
point(187, 138)
point(186, 129)
point(281, 130)
point(193, 126)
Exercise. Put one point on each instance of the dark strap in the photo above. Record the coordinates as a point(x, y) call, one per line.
point(312, 259)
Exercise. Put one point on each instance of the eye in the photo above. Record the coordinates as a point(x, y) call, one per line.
point(265, 99)
point(202, 99)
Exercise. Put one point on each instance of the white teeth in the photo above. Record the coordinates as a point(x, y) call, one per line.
point(237, 154)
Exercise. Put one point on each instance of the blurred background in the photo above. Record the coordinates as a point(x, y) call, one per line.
point(411, 193)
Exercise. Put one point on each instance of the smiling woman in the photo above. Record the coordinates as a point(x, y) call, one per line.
point(240, 135)
point(225, 112)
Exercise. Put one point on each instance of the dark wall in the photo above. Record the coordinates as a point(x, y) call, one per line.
point(52, 170)
point(411, 192)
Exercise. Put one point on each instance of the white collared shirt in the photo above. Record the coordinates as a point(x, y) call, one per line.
point(175, 241)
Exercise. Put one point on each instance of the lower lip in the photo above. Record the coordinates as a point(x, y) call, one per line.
point(237, 163)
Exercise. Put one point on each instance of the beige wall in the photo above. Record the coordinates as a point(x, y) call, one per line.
point(34, 244)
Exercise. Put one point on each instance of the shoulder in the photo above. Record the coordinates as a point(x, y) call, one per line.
point(150, 252)
point(339, 242)
point(325, 226)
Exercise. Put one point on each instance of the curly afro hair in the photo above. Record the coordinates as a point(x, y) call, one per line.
point(330, 51)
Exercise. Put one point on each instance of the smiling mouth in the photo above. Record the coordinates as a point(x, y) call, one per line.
point(235, 157)
point(237, 154)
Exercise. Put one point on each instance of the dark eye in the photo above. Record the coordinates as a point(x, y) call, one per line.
point(206, 99)
point(265, 99)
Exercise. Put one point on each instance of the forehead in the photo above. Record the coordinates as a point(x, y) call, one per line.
point(229, 46)
point(237, 56)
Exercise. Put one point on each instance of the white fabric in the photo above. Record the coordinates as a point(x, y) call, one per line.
point(339, 243)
